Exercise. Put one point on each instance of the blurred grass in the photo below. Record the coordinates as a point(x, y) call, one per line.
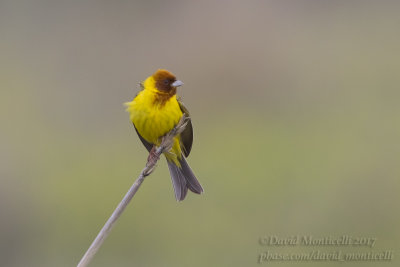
point(296, 128)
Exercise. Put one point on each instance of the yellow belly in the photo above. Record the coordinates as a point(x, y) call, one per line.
point(153, 120)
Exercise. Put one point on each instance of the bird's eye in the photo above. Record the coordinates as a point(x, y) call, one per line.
point(166, 81)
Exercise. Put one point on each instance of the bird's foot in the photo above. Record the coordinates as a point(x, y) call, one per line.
point(153, 156)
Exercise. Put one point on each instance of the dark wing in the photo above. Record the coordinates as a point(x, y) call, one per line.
point(145, 143)
point(187, 134)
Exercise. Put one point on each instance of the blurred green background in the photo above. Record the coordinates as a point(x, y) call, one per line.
point(295, 106)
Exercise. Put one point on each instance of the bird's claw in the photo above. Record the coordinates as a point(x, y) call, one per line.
point(153, 157)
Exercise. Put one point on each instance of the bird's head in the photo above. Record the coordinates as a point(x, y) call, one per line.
point(165, 81)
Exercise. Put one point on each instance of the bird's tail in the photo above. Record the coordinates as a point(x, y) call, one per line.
point(183, 179)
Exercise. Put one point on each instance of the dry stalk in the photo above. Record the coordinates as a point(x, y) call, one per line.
point(166, 144)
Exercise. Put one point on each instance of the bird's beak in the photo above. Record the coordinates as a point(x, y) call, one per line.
point(177, 83)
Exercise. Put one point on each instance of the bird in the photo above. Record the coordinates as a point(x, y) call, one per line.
point(155, 111)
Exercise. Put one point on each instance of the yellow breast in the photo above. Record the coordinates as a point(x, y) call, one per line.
point(151, 118)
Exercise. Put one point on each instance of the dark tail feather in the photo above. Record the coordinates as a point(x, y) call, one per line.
point(178, 181)
point(183, 179)
point(191, 180)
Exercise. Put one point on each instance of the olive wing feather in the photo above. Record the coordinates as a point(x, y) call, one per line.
point(187, 134)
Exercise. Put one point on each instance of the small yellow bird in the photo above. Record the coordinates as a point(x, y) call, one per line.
point(155, 111)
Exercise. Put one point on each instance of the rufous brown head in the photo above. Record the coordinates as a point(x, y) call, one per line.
point(165, 81)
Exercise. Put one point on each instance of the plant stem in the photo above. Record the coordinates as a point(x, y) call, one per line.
point(166, 144)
